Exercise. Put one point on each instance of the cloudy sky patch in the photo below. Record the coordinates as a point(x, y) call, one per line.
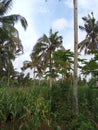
point(59, 24)
point(42, 16)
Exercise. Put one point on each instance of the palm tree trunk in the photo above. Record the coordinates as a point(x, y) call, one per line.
point(75, 85)
point(34, 78)
point(50, 69)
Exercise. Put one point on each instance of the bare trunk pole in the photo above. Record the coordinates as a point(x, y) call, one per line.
point(50, 69)
point(75, 85)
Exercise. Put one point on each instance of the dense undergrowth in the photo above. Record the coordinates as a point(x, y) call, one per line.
point(41, 108)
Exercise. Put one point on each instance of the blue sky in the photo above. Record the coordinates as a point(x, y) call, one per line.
point(42, 16)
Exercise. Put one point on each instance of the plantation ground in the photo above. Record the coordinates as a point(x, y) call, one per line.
point(39, 108)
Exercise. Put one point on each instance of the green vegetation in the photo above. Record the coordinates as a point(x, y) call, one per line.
point(45, 102)
point(24, 108)
point(40, 108)
point(10, 43)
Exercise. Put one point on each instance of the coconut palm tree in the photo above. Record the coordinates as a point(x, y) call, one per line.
point(10, 43)
point(10, 46)
point(75, 86)
point(43, 51)
point(8, 33)
point(91, 29)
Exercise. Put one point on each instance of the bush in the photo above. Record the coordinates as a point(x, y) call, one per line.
point(81, 122)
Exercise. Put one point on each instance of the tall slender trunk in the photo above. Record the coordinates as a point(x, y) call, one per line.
point(34, 78)
point(50, 69)
point(75, 85)
point(8, 64)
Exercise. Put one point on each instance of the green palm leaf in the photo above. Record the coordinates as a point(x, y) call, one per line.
point(91, 29)
point(5, 5)
point(12, 19)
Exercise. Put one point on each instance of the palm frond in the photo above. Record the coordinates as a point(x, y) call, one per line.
point(82, 28)
point(5, 5)
point(12, 19)
point(27, 64)
point(91, 29)
point(82, 44)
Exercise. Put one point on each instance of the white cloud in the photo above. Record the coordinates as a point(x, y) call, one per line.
point(59, 24)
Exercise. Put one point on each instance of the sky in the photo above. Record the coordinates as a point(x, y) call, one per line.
point(42, 16)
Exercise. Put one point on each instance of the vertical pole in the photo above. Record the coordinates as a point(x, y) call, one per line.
point(75, 85)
